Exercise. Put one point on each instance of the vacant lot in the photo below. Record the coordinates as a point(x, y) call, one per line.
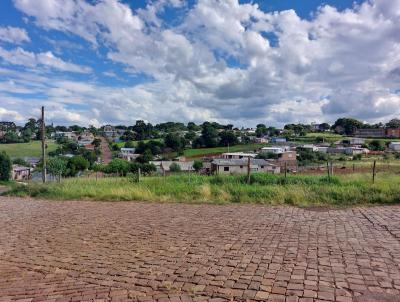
point(21, 150)
point(82, 251)
point(301, 190)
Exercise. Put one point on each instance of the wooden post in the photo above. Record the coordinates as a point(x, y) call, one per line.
point(373, 172)
point(248, 170)
point(43, 130)
point(285, 169)
point(139, 175)
point(328, 170)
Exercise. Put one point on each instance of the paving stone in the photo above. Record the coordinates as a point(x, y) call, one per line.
point(129, 251)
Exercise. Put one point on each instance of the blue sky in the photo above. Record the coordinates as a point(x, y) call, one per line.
point(278, 61)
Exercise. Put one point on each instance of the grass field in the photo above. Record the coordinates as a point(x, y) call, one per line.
point(135, 143)
point(265, 188)
point(32, 149)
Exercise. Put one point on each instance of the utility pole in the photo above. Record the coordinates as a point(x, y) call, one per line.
point(43, 147)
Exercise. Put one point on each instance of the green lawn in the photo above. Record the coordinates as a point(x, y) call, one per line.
point(122, 144)
point(32, 149)
point(203, 151)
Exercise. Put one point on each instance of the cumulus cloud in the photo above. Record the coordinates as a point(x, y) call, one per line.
point(229, 61)
point(19, 56)
point(13, 35)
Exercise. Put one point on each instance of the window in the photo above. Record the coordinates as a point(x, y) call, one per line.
point(226, 169)
point(262, 167)
point(241, 167)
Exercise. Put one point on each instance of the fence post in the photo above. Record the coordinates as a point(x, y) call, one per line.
point(248, 170)
point(139, 175)
point(373, 172)
point(285, 169)
point(328, 170)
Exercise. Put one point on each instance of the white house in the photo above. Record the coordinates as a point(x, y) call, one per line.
point(274, 150)
point(237, 155)
point(310, 147)
point(394, 146)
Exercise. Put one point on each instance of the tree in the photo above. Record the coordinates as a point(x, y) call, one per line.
point(324, 127)
point(261, 130)
point(197, 165)
point(143, 130)
point(5, 167)
point(174, 167)
point(174, 141)
point(209, 135)
point(376, 145)
point(393, 123)
point(118, 166)
point(57, 166)
point(191, 135)
point(227, 137)
point(145, 157)
point(347, 126)
point(129, 144)
point(97, 142)
point(76, 164)
point(193, 127)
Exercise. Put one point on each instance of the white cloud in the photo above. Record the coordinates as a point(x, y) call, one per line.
point(232, 62)
point(13, 35)
point(21, 57)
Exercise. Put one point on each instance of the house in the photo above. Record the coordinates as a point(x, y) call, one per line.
point(240, 166)
point(278, 140)
point(165, 166)
point(393, 132)
point(85, 138)
point(260, 140)
point(286, 159)
point(111, 133)
point(373, 132)
point(21, 172)
point(347, 150)
point(394, 146)
point(273, 150)
point(237, 155)
point(128, 154)
point(66, 134)
point(32, 161)
point(322, 149)
point(312, 148)
point(354, 141)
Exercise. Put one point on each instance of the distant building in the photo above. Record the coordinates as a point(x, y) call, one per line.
point(274, 149)
point(164, 166)
point(260, 140)
point(374, 132)
point(237, 155)
point(309, 147)
point(278, 140)
point(353, 141)
point(66, 134)
point(21, 172)
point(128, 154)
point(393, 132)
point(240, 166)
point(394, 146)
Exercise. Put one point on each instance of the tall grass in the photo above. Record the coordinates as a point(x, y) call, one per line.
point(264, 188)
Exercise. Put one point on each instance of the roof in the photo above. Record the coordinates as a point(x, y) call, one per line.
point(240, 154)
point(241, 162)
point(17, 168)
point(166, 164)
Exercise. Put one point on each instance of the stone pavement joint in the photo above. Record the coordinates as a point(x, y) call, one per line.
point(130, 251)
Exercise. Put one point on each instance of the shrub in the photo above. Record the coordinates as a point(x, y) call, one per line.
point(5, 167)
point(174, 167)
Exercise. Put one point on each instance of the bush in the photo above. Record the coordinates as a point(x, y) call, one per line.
point(174, 167)
point(5, 166)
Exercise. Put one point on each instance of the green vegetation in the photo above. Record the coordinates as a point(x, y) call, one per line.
point(265, 188)
point(5, 167)
point(31, 149)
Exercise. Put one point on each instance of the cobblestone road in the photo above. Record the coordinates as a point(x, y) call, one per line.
point(101, 251)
